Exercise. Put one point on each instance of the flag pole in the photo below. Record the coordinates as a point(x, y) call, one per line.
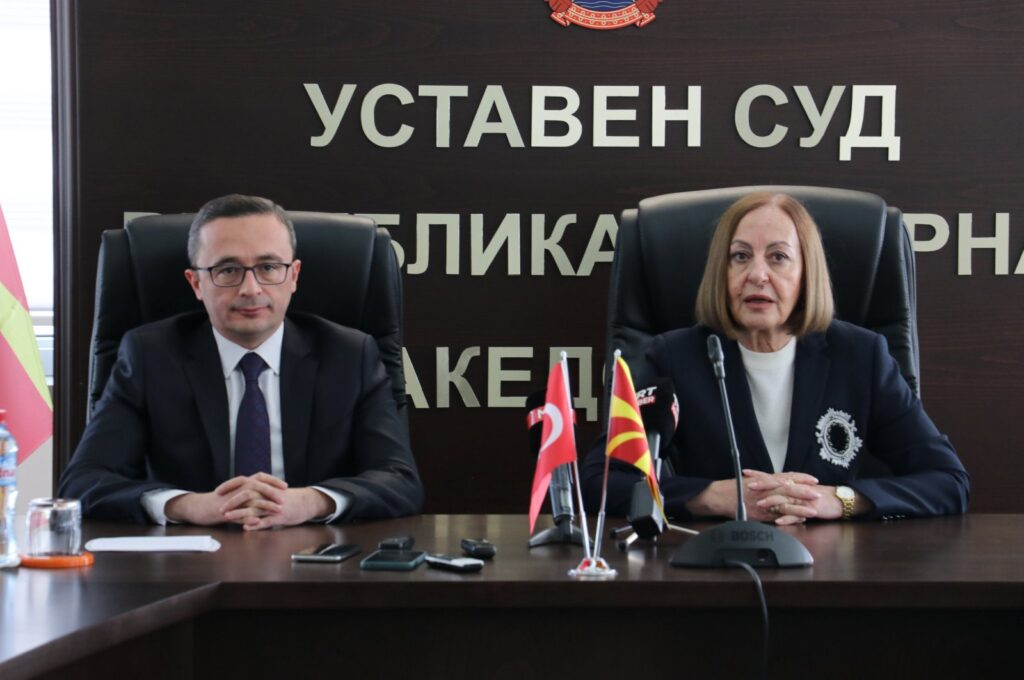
point(575, 464)
point(607, 460)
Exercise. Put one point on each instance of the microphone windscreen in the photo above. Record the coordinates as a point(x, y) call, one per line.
point(659, 408)
point(535, 400)
point(534, 409)
point(715, 349)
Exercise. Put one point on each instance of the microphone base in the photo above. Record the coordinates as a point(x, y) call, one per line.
point(564, 531)
point(644, 516)
point(757, 544)
point(593, 569)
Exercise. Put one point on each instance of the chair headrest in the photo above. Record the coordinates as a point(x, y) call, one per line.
point(680, 226)
point(336, 253)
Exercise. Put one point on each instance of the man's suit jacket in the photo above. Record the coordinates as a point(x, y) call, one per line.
point(162, 422)
point(846, 385)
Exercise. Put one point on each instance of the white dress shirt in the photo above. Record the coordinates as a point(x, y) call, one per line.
point(154, 502)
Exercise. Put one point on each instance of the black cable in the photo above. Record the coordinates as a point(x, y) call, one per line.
point(764, 610)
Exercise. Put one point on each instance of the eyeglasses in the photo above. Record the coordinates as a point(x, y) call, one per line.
point(232, 275)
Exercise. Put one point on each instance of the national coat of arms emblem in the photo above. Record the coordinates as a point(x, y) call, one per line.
point(603, 15)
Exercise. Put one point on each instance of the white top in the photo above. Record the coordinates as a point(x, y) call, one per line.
point(770, 376)
point(234, 382)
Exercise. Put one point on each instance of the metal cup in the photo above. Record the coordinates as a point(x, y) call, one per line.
point(54, 527)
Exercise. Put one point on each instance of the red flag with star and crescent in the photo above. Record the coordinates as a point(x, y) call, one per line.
point(627, 438)
point(558, 440)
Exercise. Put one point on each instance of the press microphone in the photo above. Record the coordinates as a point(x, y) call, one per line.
point(659, 410)
point(560, 490)
point(754, 543)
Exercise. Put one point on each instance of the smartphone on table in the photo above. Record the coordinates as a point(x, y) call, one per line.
point(326, 552)
point(392, 560)
point(461, 565)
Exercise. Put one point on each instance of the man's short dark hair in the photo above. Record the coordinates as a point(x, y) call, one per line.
point(235, 205)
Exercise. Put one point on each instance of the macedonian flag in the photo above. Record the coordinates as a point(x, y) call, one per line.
point(627, 439)
point(23, 391)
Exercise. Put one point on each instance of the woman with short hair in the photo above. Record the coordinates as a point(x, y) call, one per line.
point(809, 394)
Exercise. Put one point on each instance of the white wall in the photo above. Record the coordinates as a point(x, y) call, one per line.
point(26, 164)
point(26, 188)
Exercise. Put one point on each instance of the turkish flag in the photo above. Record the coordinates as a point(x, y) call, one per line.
point(558, 438)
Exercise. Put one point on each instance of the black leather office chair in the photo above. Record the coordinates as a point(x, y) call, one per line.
point(662, 247)
point(349, 275)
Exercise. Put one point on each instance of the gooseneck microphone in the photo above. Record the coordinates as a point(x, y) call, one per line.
point(753, 543)
point(718, 364)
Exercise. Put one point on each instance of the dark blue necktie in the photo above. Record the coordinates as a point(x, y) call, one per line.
point(252, 428)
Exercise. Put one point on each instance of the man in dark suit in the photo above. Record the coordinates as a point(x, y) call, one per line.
point(241, 414)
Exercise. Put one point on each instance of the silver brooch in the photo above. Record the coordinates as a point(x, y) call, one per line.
point(837, 434)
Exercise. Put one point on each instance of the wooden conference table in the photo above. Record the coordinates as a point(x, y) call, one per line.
point(894, 599)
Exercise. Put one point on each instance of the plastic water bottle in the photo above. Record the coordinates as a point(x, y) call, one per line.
point(8, 494)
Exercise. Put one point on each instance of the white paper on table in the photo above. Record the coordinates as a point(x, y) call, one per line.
point(154, 544)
